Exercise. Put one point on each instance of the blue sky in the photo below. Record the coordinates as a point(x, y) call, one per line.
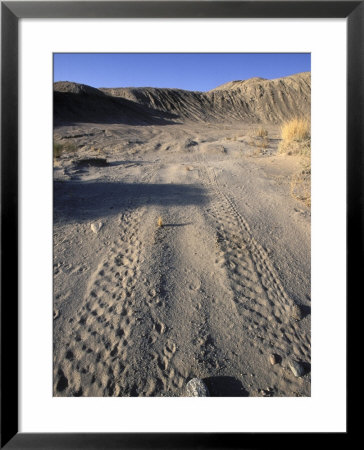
point(191, 71)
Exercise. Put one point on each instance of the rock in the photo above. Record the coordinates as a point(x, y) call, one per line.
point(297, 312)
point(296, 368)
point(190, 143)
point(196, 388)
point(95, 227)
point(266, 392)
point(274, 359)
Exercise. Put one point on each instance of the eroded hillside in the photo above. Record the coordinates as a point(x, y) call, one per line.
point(255, 101)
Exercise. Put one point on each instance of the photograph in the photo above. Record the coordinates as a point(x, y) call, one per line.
point(181, 224)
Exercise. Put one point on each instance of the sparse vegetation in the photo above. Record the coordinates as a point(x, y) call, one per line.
point(256, 152)
point(264, 143)
point(60, 148)
point(259, 139)
point(57, 149)
point(260, 132)
point(296, 137)
point(296, 140)
point(301, 185)
point(296, 130)
point(260, 149)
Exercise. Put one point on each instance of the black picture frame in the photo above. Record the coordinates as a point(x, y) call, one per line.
point(11, 12)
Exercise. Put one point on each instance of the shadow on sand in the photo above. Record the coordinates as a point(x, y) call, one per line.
point(83, 201)
point(71, 108)
point(224, 386)
point(166, 225)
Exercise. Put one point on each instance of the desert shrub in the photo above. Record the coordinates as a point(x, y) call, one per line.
point(259, 150)
point(296, 140)
point(296, 137)
point(260, 132)
point(59, 149)
point(296, 130)
point(260, 144)
point(258, 137)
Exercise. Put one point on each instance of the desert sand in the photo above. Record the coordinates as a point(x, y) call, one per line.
point(221, 290)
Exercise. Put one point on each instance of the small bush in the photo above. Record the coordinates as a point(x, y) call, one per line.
point(258, 137)
point(260, 144)
point(260, 132)
point(296, 137)
point(296, 130)
point(59, 149)
point(296, 140)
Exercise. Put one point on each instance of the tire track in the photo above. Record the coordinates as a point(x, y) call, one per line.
point(94, 360)
point(95, 356)
point(258, 294)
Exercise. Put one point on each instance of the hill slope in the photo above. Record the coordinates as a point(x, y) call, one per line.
point(255, 100)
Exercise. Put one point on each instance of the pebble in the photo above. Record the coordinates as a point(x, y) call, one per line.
point(296, 368)
point(196, 388)
point(95, 227)
point(297, 312)
point(266, 392)
point(273, 359)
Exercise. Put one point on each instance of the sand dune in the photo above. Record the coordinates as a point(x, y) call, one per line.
point(221, 291)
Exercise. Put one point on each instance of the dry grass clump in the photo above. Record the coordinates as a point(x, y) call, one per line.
point(260, 149)
point(57, 149)
point(296, 137)
point(260, 144)
point(260, 132)
point(259, 139)
point(60, 148)
point(296, 130)
point(296, 140)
